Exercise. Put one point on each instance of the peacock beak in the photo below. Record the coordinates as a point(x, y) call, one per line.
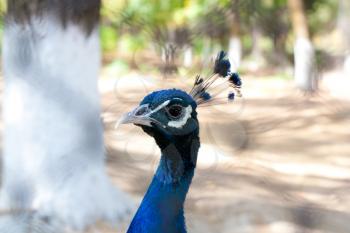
point(140, 116)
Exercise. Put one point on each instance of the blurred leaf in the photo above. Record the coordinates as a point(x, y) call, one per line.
point(108, 38)
point(132, 43)
point(117, 67)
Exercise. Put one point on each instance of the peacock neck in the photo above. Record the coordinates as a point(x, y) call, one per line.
point(162, 207)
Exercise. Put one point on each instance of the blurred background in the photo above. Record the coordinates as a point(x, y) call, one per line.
point(277, 160)
point(172, 38)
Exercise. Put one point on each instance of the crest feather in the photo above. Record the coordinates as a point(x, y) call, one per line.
point(222, 79)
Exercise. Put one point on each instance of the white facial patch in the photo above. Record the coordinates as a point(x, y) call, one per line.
point(183, 120)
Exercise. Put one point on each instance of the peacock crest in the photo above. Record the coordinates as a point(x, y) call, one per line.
point(209, 89)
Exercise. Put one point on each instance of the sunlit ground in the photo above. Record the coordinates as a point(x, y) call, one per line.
point(277, 161)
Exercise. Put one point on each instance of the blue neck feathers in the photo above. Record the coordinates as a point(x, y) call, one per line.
point(161, 210)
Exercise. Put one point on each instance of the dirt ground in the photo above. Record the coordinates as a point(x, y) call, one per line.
point(276, 161)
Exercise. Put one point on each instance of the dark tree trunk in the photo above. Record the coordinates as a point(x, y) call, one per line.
point(82, 12)
point(169, 54)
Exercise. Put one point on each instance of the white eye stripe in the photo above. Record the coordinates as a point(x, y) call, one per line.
point(183, 120)
point(164, 104)
point(159, 107)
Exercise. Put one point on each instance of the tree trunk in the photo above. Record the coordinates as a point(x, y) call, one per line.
point(53, 164)
point(188, 56)
point(168, 57)
point(256, 36)
point(343, 25)
point(256, 60)
point(347, 64)
point(304, 54)
point(235, 46)
point(280, 56)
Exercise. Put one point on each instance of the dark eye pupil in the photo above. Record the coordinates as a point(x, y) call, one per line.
point(175, 110)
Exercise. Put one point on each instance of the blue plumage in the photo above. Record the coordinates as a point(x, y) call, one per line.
point(158, 97)
point(161, 210)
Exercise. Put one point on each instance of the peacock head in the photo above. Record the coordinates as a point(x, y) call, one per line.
point(166, 114)
point(170, 114)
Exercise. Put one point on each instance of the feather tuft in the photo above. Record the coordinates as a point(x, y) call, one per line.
point(235, 79)
point(205, 96)
point(222, 65)
point(208, 89)
point(231, 96)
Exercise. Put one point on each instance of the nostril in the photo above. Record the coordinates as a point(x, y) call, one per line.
point(141, 111)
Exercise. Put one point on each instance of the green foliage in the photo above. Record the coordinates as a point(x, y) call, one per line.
point(137, 25)
point(206, 25)
point(117, 67)
point(198, 45)
point(108, 38)
point(247, 41)
point(321, 15)
point(132, 43)
point(3, 7)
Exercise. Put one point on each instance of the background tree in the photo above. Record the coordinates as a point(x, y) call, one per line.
point(304, 54)
point(53, 155)
point(343, 24)
point(235, 46)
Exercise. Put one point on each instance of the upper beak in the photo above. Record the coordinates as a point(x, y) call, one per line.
point(140, 116)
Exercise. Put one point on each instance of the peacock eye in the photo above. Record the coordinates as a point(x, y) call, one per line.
point(175, 111)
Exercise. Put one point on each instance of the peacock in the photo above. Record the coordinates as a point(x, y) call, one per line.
point(170, 117)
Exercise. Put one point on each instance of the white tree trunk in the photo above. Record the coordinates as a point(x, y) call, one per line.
point(53, 135)
point(235, 52)
point(188, 57)
point(347, 65)
point(343, 25)
point(305, 72)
